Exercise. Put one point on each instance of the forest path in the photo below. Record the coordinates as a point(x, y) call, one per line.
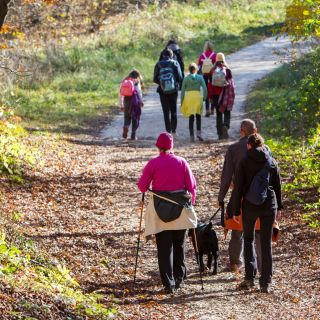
point(248, 65)
point(83, 208)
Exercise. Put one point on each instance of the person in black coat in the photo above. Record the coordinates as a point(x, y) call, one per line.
point(258, 156)
point(177, 54)
point(168, 100)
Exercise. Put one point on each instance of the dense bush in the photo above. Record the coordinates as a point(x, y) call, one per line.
point(15, 150)
point(286, 105)
point(292, 104)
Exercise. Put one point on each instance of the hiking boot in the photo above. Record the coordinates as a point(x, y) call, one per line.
point(133, 136)
point(207, 115)
point(125, 132)
point(179, 285)
point(265, 289)
point(192, 139)
point(245, 285)
point(169, 290)
point(225, 134)
point(199, 136)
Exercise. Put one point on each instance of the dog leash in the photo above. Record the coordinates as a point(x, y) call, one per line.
point(215, 214)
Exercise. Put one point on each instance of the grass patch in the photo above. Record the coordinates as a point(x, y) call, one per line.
point(37, 287)
point(78, 82)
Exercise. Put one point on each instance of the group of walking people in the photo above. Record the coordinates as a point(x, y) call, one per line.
point(209, 82)
point(171, 179)
point(249, 168)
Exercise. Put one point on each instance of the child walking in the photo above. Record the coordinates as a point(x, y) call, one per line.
point(131, 102)
point(221, 94)
point(192, 100)
point(205, 62)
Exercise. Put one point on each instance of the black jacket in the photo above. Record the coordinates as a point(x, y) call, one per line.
point(249, 166)
point(177, 55)
point(167, 62)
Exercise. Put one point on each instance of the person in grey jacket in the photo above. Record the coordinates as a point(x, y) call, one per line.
point(234, 154)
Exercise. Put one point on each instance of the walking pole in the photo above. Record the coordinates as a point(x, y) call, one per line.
point(139, 233)
point(197, 256)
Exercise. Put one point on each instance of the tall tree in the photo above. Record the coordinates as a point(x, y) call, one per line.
point(3, 11)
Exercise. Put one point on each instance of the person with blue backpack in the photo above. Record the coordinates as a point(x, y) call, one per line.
point(177, 54)
point(258, 193)
point(167, 74)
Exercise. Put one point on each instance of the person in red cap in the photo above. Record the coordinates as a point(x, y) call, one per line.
point(170, 175)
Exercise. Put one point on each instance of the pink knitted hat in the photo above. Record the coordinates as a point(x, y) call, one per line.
point(165, 141)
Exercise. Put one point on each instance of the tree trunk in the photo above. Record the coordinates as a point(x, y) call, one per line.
point(3, 11)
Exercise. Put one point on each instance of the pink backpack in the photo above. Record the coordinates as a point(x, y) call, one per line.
point(127, 87)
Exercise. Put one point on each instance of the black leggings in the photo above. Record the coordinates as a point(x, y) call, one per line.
point(191, 121)
point(223, 118)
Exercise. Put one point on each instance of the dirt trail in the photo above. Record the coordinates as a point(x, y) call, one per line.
point(248, 65)
point(83, 209)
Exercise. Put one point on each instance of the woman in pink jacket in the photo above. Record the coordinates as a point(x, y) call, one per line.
point(169, 173)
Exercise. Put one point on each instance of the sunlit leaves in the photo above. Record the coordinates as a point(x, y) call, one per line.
point(303, 19)
point(14, 151)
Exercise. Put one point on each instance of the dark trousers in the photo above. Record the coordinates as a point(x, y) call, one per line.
point(128, 119)
point(169, 107)
point(206, 79)
point(223, 118)
point(236, 248)
point(191, 121)
point(249, 218)
point(171, 255)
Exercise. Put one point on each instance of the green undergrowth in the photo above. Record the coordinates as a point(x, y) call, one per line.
point(286, 105)
point(16, 150)
point(40, 287)
point(74, 83)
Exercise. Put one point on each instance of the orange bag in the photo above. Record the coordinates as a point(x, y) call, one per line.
point(236, 224)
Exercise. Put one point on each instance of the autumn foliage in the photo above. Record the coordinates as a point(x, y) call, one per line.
point(303, 18)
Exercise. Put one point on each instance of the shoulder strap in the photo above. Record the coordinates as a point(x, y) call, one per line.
point(204, 55)
point(211, 55)
point(164, 198)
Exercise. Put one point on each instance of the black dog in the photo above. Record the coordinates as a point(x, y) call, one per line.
point(207, 244)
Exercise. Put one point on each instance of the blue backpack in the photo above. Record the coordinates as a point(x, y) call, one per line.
point(258, 190)
point(167, 78)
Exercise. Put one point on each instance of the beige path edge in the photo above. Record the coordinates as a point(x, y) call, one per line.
point(248, 65)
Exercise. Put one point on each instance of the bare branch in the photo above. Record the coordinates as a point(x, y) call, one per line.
point(17, 73)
